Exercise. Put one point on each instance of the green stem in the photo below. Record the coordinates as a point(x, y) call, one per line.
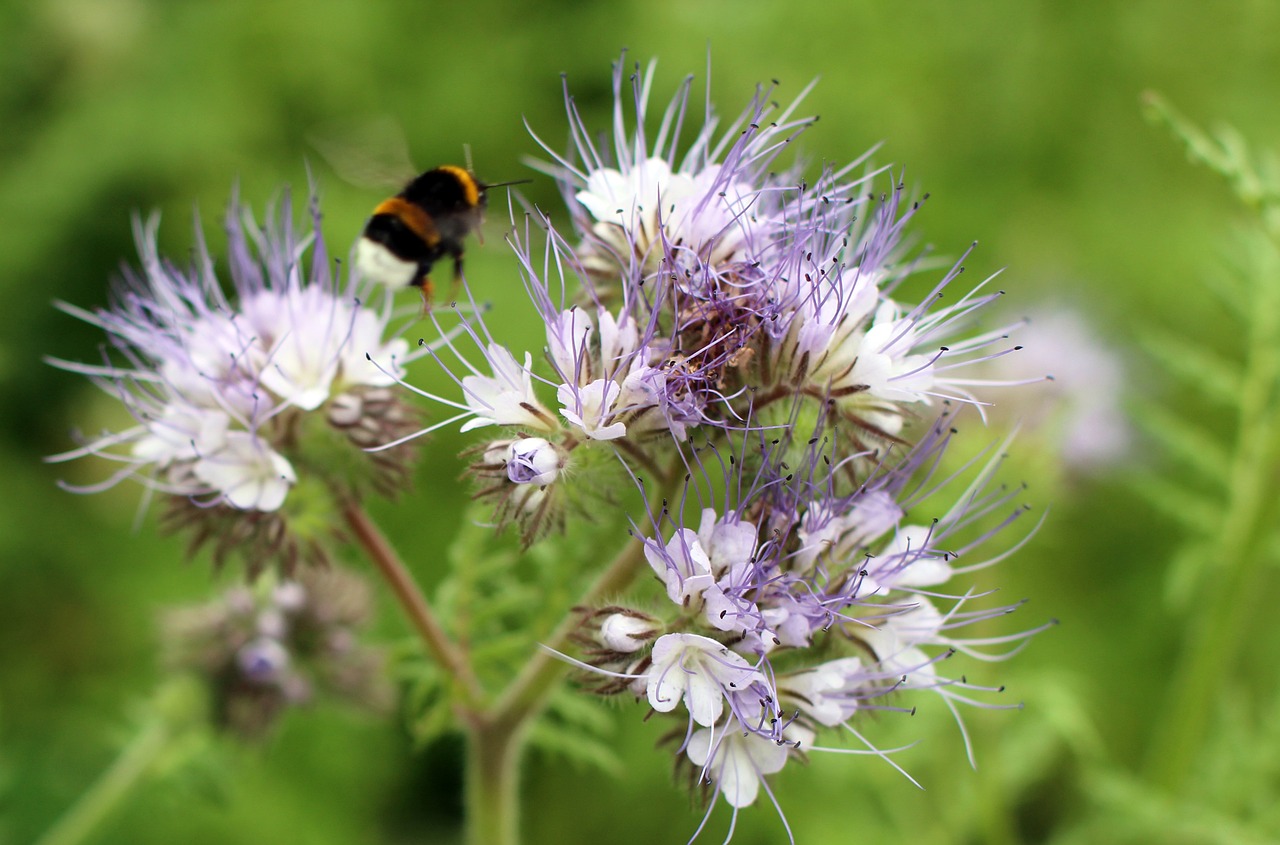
point(493, 781)
point(525, 695)
point(495, 738)
point(80, 821)
point(1214, 640)
point(412, 601)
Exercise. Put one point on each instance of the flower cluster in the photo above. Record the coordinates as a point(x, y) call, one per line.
point(726, 346)
point(710, 290)
point(797, 602)
point(224, 390)
point(264, 649)
point(738, 327)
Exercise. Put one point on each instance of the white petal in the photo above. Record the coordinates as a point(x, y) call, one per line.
point(249, 474)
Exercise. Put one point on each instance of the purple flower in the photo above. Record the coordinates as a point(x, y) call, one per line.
point(814, 610)
point(710, 308)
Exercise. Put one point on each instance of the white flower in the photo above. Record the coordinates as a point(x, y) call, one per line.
point(181, 433)
point(590, 406)
point(646, 208)
point(625, 632)
point(844, 534)
point(628, 204)
point(682, 565)
point(209, 377)
point(907, 561)
point(314, 342)
point(897, 639)
point(249, 474)
point(829, 692)
point(698, 671)
point(507, 397)
point(533, 460)
point(885, 362)
point(728, 542)
point(736, 762)
point(568, 339)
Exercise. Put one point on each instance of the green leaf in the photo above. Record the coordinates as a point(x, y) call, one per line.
point(432, 723)
point(1227, 154)
point(1184, 574)
point(1214, 377)
point(579, 728)
point(1187, 442)
point(1142, 813)
point(1194, 511)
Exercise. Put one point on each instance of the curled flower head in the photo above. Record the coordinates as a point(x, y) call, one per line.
point(706, 283)
point(232, 393)
point(816, 608)
point(719, 316)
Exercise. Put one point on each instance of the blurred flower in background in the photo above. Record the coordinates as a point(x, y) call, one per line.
point(260, 650)
point(1071, 394)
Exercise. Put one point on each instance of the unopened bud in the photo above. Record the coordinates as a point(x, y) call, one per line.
point(289, 596)
point(533, 460)
point(262, 660)
point(625, 633)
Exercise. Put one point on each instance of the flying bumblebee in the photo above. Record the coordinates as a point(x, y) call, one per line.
point(427, 221)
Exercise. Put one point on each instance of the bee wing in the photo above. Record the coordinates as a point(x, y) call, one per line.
point(372, 153)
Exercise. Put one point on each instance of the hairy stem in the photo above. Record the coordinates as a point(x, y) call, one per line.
point(412, 601)
point(495, 737)
point(493, 781)
point(525, 695)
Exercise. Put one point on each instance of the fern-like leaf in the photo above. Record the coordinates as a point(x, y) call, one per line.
point(1213, 377)
point(1187, 442)
point(1195, 511)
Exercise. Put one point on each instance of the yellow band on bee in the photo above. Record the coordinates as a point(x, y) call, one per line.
point(468, 182)
point(418, 221)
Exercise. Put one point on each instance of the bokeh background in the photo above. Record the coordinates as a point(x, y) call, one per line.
point(1020, 118)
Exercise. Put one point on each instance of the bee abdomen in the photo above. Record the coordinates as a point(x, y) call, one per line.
point(404, 228)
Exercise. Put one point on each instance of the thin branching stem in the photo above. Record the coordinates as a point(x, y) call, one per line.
point(414, 604)
point(495, 736)
point(525, 694)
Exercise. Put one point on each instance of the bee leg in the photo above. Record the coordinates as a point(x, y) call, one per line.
point(426, 290)
point(457, 276)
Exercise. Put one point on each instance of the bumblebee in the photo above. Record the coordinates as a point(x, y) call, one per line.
point(427, 221)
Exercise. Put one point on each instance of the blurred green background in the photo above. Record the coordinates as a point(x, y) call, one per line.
point(1020, 118)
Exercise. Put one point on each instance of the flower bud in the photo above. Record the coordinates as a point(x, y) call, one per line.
point(626, 632)
point(533, 460)
point(262, 660)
